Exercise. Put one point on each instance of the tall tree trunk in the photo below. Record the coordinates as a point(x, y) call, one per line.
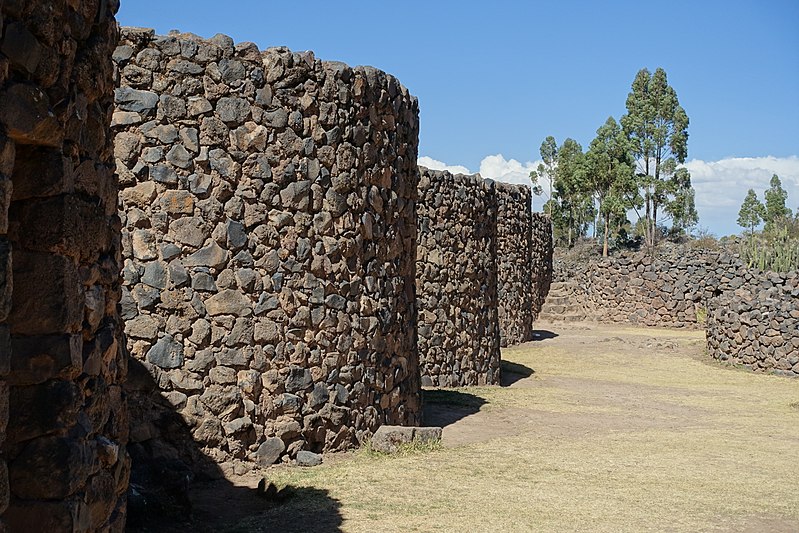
point(654, 223)
point(648, 220)
point(607, 226)
point(597, 215)
point(571, 223)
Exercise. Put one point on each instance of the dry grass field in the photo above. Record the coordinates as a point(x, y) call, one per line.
point(598, 428)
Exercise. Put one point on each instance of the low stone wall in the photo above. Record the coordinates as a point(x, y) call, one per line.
point(541, 249)
point(757, 325)
point(63, 421)
point(751, 317)
point(670, 290)
point(515, 287)
point(456, 280)
point(268, 203)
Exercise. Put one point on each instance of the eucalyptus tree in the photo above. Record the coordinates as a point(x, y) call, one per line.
point(775, 208)
point(657, 127)
point(572, 189)
point(546, 170)
point(610, 176)
point(751, 213)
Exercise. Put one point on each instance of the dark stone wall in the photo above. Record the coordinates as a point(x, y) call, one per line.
point(751, 317)
point(268, 206)
point(515, 272)
point(63, 421)
point(541, 249)
point(757, 325)
point(456, 280)
point(670, 290)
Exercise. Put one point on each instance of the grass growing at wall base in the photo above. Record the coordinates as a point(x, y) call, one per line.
point(701, 315)
point(403, 450)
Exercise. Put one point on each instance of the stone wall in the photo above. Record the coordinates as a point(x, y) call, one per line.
point(751, 317)
point(670, 290)
point(541, 249)
point(268, 203)
point(757, 325)
point(63, 422)
point(515, 287)
point(456, 280)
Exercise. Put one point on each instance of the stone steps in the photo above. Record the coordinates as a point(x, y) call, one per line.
point(560, 305)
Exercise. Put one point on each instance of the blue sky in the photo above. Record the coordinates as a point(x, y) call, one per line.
point(493, 79)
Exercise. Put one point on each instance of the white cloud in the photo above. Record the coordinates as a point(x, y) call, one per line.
point(722, 185)
point(434, 164)
point(498, 168)
point(495, 167)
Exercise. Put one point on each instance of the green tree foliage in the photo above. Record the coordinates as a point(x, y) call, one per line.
point(752, 212)
point(546, 169)
point(776, 212)
point(777, 246)
point(572, 189)
point(610, 177)
point(682, 206)
point(657, 127)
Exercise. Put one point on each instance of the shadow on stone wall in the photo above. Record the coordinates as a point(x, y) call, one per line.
point(175, 486)
point(443, 407)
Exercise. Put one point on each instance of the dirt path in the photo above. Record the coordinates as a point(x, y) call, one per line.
point(597, 428)
point(605, 405)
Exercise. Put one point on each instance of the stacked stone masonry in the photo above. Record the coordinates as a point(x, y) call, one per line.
point(757, 325)
point(268, 209)
point(670, 290)
point(456, 280)
point(63, 421)
point(541, 250)
point(515, 287)
point(751, 317)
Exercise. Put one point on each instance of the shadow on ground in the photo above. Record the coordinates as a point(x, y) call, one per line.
point(513, 372)
point(443, 407)
point(294, 510)
point(542, 335)
point(218, 506)
point(175, 487)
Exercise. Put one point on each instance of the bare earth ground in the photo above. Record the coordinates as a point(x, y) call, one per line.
point(598, 428)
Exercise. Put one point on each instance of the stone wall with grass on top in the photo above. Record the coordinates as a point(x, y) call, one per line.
point(456, 280)
point(515, 286)
point(268, 209)
point(63, 420)
point(757, 324)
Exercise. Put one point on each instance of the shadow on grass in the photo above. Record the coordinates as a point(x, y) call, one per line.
point(442, 407)
point(513, 372)
point(220, 507)
point(293, 510)
point(542, 335)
